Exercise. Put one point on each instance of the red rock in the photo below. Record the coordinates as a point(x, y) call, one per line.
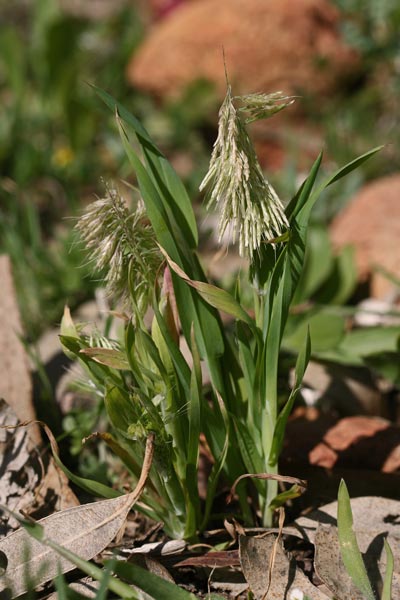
point(162, 8)
point(269, 45)
point(359, 442)
point(371, 222)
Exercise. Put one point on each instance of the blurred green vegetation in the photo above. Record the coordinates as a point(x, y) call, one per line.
point(53, 143)
point(57, 143)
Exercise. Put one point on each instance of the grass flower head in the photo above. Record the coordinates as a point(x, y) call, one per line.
point(249, 207)
point(263, 106)
point(122, 245)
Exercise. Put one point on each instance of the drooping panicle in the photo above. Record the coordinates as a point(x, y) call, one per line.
point(249, 207)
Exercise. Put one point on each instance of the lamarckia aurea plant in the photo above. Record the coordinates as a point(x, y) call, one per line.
point(147, 253)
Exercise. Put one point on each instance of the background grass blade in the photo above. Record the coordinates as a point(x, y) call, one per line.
point(349, 550)
point(153, 585)
point(387, 582)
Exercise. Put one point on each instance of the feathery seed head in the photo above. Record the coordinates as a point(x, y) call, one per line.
point(263, 106)
point(122, 245)
point(249, 207)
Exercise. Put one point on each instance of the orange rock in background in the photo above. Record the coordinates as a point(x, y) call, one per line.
point(269, 45)
point(367, 442)
point(371, 222)
point(356, 442)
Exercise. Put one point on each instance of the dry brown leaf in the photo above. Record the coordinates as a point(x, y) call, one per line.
point(86, 586)
point(15, 379)
point(20, 466)
point(329, 565)
point(155, 566)
point(213, 560)
point(372, 515)
point(283, 478)
point(375, 519)
point(255, 553)
point(86, 530)
point(30, 482)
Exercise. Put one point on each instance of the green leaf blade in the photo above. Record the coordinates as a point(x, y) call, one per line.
point(387, 582)
point(350, 552)
point(280, 426)
point(150, 583)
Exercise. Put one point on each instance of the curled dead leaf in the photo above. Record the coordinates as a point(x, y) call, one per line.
point(86, 530)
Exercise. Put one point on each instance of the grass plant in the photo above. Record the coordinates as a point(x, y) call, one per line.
point(147, 383)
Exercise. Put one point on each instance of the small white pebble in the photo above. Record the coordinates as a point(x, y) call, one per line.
point(296, 594)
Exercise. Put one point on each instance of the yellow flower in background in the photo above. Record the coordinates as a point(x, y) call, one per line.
point(63, 156)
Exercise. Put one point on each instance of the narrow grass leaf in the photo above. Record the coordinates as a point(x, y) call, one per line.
point(280, 426)
point(148, 346)
point(294, 492)
point(121, 409)
point(102, 592)
point(318, 263)
point(219, 462)
point(181, 366)
point(169, 237)
point(350, 552)
point(280, 294)
point(64, 592)
point(351, 166)
point(92, 487)
point(150, 583)
point(122, 589)
point(303, 194)
point(161, 169)
point(249, 448)
point(118, 450)
point(192, 455)
point(99, 371)
point(154, 205)
point(67, 328)
point(217, 297)
point(247, 360)
point(387, 582)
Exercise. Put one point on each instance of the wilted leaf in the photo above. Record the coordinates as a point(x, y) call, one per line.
point(213, 560)
point(110, 357)
point(329, 564)
point(255, 556)
point(372, 515)
point(15, 381)
point(20, 467)
point(217, 297)
point(375, 519)
point(30, 480)
point(86, 530)
point(300, 483)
